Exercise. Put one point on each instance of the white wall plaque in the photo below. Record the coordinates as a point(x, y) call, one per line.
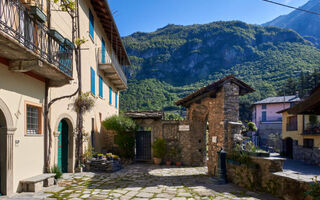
point(214, 139)
point(184, 128)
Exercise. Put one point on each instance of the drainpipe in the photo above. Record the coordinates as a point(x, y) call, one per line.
point(46, 107)
point(46, 121)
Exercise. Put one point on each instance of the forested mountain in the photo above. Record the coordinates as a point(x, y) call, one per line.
point(175, 60)
point(305, 24)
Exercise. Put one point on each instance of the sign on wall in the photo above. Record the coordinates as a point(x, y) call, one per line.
point(184, 128)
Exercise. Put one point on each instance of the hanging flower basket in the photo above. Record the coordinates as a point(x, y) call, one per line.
point(84, 103)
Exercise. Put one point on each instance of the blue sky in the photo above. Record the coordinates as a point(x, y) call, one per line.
point(148, 15)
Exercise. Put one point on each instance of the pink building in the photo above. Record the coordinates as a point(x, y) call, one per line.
point(265, 116)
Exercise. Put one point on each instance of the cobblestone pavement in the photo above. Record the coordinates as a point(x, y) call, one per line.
point(139, 182)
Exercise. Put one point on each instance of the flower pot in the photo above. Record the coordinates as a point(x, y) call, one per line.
point(168, 162)
point(178, 163)
point(56, 35)
point(68, 43)
point(157, 161)
point(38, 14)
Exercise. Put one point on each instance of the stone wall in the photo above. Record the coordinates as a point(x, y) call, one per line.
point(266, 178)
point(308, 155)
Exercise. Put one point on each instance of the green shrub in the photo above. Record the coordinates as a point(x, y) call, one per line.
point(252, 126)
point(315, 189)
point(125, 128)
point(159, 148)
point(56, 170)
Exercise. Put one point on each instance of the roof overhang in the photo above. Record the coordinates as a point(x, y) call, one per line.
point(145, 114)
point(310, 106)
point(104, 13)
point(212, 89)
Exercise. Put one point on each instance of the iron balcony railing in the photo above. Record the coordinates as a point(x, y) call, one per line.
point(107, 56)
point(17, 22)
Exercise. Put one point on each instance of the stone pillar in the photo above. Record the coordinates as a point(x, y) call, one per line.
point(7, 159)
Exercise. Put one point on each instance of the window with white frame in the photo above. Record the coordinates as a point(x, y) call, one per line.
point(33, 119)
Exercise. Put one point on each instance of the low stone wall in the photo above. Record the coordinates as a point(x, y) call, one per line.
point(264, 178)
point(103, 165)
point(308, 155)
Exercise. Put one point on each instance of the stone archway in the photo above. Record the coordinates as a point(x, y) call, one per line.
point(6, 148)
point(65, 131)
point(217, 103)
point(199, 118)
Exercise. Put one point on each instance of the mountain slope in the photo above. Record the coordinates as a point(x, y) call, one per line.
point(175, 60)
point(304, 23)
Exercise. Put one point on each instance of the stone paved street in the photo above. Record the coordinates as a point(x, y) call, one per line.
point(139, 182)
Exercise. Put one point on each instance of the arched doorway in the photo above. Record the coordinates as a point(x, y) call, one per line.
point(289, 147)
point(63, 146)
point(6, 149)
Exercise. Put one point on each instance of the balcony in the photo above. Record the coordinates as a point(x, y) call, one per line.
point(312, 129)
point(109, 64)
point(30, 46)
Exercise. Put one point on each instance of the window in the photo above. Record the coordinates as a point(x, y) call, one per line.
point(91, 24)
point(100, 87)
point(264, 106)
point(308, 143)
point(103, 51)
point(33, 119)
point(264, 116)
point(116, 99)
point(292, 123)
point(93, 85)
point(110, 95)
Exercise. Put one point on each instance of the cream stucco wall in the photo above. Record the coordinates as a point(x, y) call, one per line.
point(28, 151)
point(89, 58)
point(296, 135)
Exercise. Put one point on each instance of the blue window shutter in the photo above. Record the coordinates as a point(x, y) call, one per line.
point(93, 85)
point(110, 95)
point(100, 87)
point(91, 24)
point(116, 99)
point(103, 51)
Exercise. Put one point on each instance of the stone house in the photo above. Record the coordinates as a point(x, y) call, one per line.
point(37, 65)
point(301, 129)
point(216, 104)
point(266, 118)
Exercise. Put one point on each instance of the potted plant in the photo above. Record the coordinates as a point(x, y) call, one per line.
point(100, 156)
point(169, 156)
point(178, 156)
point(159, 150)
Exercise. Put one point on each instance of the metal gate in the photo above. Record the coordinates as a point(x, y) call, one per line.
point(143, 145)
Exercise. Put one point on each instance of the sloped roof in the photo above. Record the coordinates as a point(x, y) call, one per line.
point(281, 99)
point(213, 88)
point(104, 13)
point(145, 114)
point(310, 105)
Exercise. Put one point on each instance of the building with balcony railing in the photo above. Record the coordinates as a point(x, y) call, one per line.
point(301, 129)
point(103, 65)
point(33, 57)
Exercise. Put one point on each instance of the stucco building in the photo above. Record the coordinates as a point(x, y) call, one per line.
point(301, 130)
point(266, 118)
point(37, 65)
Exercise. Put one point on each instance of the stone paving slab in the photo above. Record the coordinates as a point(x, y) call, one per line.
point(143, 182)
